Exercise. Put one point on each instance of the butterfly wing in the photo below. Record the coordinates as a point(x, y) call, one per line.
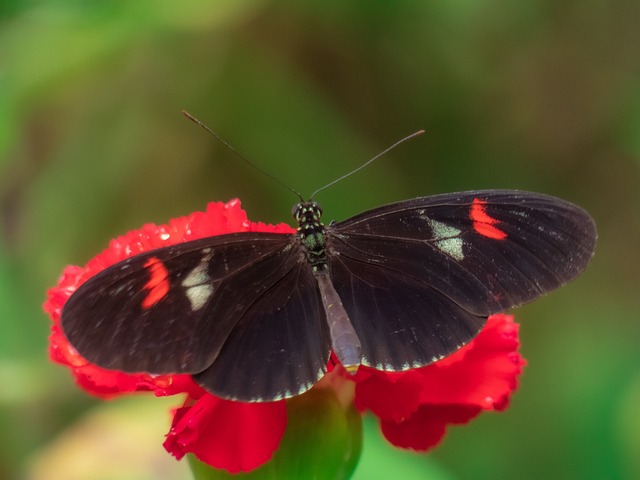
point(280, 346)
point(175, 309)
point(418, 278)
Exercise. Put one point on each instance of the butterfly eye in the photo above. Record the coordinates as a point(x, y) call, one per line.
point(295, 211)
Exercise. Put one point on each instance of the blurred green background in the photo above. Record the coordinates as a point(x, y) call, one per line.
point(531, 94)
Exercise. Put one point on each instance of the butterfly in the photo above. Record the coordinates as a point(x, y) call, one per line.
point(255, 316)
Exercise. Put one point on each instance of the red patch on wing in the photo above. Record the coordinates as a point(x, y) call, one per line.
point(158, 284)
point(483, 223)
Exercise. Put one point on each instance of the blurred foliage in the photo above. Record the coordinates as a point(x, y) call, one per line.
point(113, 441)
point(528, 94)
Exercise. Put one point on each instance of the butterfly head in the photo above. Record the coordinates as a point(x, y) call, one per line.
point(307, 213)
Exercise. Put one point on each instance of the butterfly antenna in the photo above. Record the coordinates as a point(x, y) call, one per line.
point(238, 154)
point(409, 137)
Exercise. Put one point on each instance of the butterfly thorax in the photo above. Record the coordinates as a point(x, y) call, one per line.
point(312, 233)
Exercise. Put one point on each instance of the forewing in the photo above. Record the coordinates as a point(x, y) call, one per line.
point(419, 277)
point(164, 311)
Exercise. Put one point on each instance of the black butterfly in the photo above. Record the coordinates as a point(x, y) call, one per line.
point(254, 316)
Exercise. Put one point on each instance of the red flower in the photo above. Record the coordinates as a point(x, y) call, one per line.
point(414, 406)
point(235, 436)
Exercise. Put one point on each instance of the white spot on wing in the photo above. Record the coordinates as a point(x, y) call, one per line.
point(198, 283)
point(198, 295)
point(446, 238)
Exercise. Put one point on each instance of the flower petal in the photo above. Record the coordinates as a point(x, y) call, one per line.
point(234, 436)
point(390, 396)
point(426, 427)
point(484, 373)
point(415, 406)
